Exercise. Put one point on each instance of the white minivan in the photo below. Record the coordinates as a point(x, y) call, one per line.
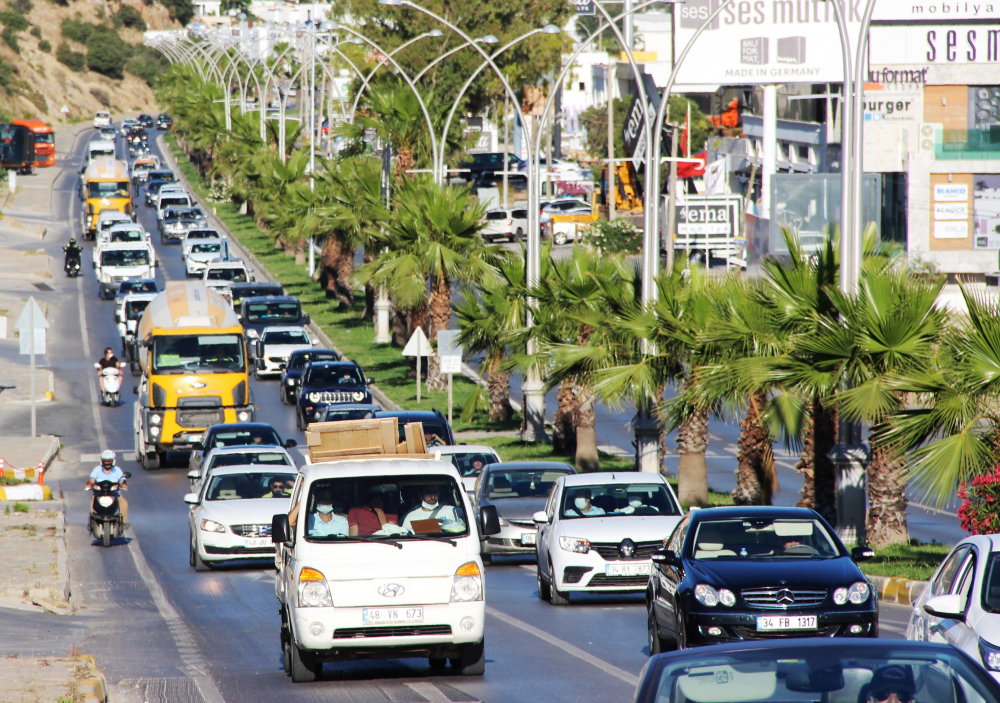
point(122, 261)
point(380, 557)
point(101, 118)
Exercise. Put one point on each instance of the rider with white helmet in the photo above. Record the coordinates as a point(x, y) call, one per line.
point(107, 471)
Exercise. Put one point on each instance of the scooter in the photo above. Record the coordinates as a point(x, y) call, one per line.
point(72, 266)
point(111, 385)
point(106, 521)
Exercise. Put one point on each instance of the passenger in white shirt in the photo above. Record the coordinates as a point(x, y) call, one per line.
point(324, 522)
point(431, 508)
point(583, 507)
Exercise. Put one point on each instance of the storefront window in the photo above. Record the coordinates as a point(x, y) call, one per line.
point(984, 104)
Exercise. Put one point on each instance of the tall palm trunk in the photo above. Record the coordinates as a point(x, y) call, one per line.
point(564, 422)
point(369, 312)
point(692, 472)
point(345, 272)
point(439, 303)
point(586, 431)
point(329, 260)
point(404, 163)
point(756, 478)
point(498, 388)
point(400, 326)
point(819, 489)
point(886, 521)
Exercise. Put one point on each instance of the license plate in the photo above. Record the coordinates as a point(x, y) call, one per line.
point(258, 542)
point(392, 616)
point(527, 538)
point(786, 622)
point(627, 569)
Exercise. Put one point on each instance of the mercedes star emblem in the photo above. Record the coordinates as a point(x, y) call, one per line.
point(784, 597)
point(391, 590)
point(627, 548)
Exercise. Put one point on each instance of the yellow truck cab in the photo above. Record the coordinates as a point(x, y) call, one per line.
point(105, 187)
point(192, 351)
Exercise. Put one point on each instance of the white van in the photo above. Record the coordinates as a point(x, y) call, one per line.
point(218, 275)
point(123, 233)
point(412, 590)
point(171, 199)
point(100, 147)
point(102, 118)
point(119, 262)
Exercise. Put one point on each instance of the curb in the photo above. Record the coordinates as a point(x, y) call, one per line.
point(62, 553)
point(895, 589)
point(168, 155)
point(94, 686)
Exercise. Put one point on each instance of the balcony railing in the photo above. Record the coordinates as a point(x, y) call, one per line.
point(967, 144)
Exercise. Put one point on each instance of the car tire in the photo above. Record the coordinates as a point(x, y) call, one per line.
point(437, 662)
point(298, 421)
point(163, 239)
point(304, 668)
point(473, 659)
point(656, 643)
point(556, 597)
point(518, 236)
point(544, 590)
point(190, 550)
point(487, 558)
point(286, 658)
point(560, 238)
point(680, 639)
point(199, 563)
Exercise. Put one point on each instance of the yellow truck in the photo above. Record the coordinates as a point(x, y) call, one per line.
point(193, 355)
point(106, 186)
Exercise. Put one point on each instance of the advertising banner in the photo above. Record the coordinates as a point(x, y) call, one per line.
point(716, 215)
point(986, 211)
point(926, 45)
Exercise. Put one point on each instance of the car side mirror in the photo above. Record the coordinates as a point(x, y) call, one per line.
point(282, 367)
point(306, 319)
point(489, 520)
point(127, 474)
point(280, 529)
point(951, 606)
point(94, 264)
point(665, 557)
point(314, 342)
point(371, 380)
point(290, 443)
point(253, 279)
point(194, 474)
point(191, 498)
point(540, 518)
point(135, 390)
point(862, 554)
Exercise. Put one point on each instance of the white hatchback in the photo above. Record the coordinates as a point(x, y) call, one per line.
point(266, 456)
point(275, 344)
point(598, 532)
point(961, 604)
point(102, 118)
point(231, 514)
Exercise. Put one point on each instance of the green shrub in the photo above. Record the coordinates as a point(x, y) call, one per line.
point(36, 32)
point(76, 30)
point(129, 17)
point(45, 45)
point(617, 236)
point(72, 59)
point(6, 80)
point(21, 507)
point(22, 7)
point(14, 21)
point(147, 63)
point(9, 37)
point(180, 10)
point(38, 100)
point(107, 53)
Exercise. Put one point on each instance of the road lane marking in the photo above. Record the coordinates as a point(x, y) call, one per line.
point(432, 693)
point(570, 649)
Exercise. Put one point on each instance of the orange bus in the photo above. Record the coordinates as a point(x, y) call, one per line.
point(45, 142)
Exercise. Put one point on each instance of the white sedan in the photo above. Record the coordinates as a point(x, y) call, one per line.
point(598, 532)
point(276, 344)
point(201, 253)
point(231, 514)
point(961, 604)
point(219, 457)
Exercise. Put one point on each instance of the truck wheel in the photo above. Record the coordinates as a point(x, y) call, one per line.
point(136, 369)
point(438, 662)
point(473, 659)
point(163, 239)
point(304, 668)
point(151, 461)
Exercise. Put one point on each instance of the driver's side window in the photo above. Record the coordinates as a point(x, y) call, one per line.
point(966, 575)
point(677, 538)
point(942, 583)
point(550, 507)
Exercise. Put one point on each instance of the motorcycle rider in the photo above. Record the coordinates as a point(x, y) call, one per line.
point(73, 251)
point(108, 471)
point(109, 361)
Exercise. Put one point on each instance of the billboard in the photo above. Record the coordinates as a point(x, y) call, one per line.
point(985, 211)
point(934, 44)
point(715, 216)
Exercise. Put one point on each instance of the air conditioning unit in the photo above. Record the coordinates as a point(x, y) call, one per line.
point(928, 136)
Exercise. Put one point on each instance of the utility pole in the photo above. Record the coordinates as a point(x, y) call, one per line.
point(611, 143)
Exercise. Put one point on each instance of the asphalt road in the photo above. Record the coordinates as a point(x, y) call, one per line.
point(163, 632)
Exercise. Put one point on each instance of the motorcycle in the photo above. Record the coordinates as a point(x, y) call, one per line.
point(106, 521)
point(72, 265)
point(111, 384)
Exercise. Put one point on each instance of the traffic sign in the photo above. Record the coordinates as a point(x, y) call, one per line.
point(451, 363)
point(31, 317)
point(31, 326)
point(64, 110)
point(418, 344)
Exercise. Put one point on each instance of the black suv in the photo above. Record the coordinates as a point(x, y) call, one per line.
point(291, 371)
point(164, 121)
point(146, 120)
point(326, 383)
point(437, 431)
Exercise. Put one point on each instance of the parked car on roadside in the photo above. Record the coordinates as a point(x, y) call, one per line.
point(505, 223)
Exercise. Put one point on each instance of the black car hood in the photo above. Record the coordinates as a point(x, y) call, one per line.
point(737, 574)
point(517, 508)
point(336, 387)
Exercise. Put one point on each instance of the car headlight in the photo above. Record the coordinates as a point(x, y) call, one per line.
point(212, 526)
point(708, 596)
point(252, 333)
point(313, 589)
point(575, 544)
point(468, 584)
point(314, 397)
point(858, 592)
point(504, 523)
point(155, 419)
point(243, 416)
point(290, 381)
point(358, 395)
point(990, 654)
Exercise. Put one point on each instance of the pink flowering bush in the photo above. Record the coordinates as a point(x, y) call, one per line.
point(617, 236)
point(980, 509)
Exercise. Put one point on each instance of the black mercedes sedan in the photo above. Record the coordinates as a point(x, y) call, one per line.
point(750, 573)
point(828, 670)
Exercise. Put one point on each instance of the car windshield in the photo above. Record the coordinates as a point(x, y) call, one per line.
point(126, 235)
point(191, 213)
point(165, 176)
point(137, 285)
point(210, 352)
point(335, 414)
point(125, 257)
point(108, 189)
point(522, 483)
point(143, 168)
point(238, 438)
point(416, 507)
point(202, 234)
point(135, 308)
point(285, 337)
point(618, 499)
point(298, 361)
point(108, 222)
point(334, 376)
point(275, 311)
point(169, 202)
point(253, 484)
point(435, 433)
point(249, 457)
point(471, 463)
point(763, 538)
point(832, 674)
point(238, 275)
point(206, 248)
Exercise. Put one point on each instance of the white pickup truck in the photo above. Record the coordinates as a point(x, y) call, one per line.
point(121, 261)
point(408, 583)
